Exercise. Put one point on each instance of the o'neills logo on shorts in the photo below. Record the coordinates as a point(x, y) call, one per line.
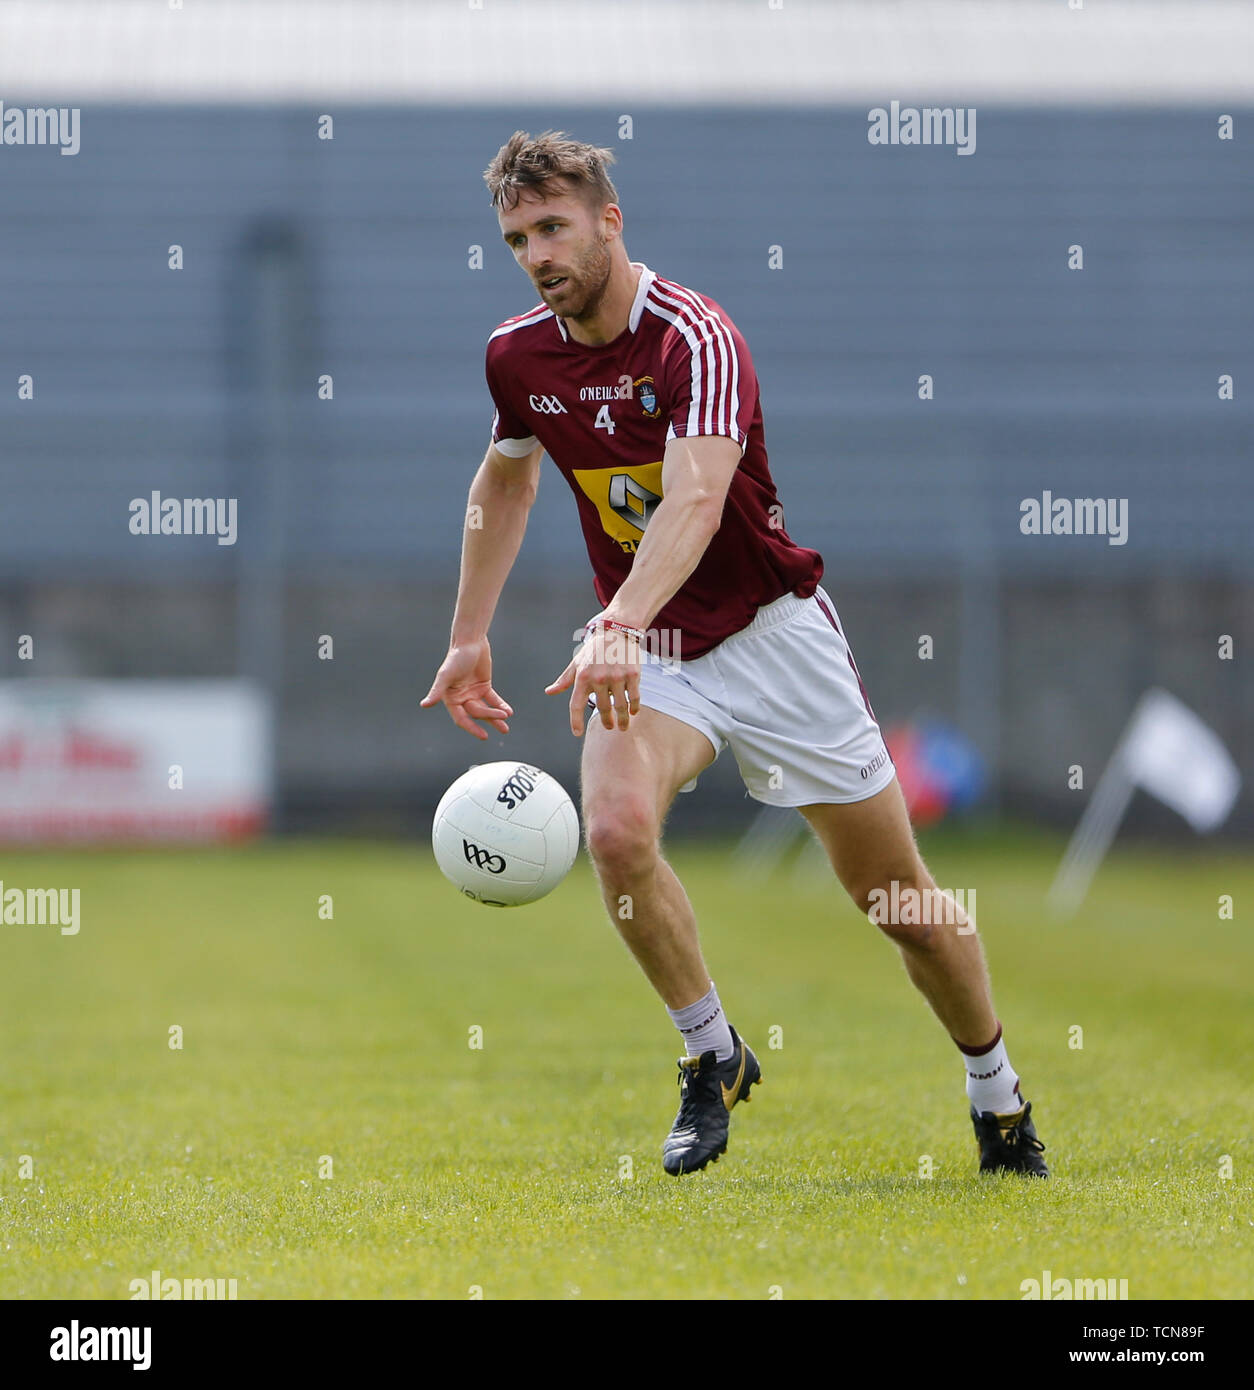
point(874, 765)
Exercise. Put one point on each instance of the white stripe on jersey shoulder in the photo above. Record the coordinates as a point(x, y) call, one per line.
point(536, 315)
point(643, 286)
point(715, 397)
point(684, 301)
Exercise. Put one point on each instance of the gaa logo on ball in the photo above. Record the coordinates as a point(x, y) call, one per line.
point(505, 834)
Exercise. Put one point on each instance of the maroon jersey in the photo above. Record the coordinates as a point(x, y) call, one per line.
point(604, 415)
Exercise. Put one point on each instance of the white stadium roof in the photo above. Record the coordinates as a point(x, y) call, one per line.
point(491, 52)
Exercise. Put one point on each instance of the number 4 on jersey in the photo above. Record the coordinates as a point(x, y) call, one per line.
point(603, 421)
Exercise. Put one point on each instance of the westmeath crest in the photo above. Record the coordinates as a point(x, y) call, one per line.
point(648, 396)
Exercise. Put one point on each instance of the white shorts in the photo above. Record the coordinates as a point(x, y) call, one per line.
point(785, 694)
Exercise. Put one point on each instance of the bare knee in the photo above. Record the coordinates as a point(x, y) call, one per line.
point(622, 838)
point(904, 903)
point(872, 887)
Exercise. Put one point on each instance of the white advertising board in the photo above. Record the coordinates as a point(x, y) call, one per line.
point(117, 760)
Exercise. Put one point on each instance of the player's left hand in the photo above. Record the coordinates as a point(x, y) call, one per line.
point(606, 668)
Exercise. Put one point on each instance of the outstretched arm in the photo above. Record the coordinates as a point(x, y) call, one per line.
point(496, 519)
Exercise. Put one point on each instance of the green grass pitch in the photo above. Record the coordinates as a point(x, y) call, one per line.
point(327, 1131)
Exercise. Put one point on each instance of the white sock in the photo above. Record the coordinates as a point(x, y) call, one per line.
point(991, 1081)
point(703, 1027)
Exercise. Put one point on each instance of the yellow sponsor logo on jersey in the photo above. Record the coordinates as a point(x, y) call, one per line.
point(625, 498)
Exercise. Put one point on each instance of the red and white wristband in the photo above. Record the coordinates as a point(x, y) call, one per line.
point(601, 624)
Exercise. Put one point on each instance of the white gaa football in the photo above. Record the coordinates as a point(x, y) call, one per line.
point(505, 834)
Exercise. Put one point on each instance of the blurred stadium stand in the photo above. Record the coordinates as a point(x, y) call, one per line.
point(350, 257)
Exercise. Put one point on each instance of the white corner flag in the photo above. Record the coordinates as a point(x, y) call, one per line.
point(1167, 751)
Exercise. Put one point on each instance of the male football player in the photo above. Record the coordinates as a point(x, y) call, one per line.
point(714, 631)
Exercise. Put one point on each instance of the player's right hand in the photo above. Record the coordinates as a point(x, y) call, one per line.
point(464, 685)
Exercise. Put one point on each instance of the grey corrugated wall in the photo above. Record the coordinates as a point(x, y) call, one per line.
point(896, 262)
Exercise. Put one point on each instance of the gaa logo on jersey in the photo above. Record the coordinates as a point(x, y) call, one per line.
point(648, 396)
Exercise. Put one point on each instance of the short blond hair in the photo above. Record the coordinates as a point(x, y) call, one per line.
point(550, 163)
